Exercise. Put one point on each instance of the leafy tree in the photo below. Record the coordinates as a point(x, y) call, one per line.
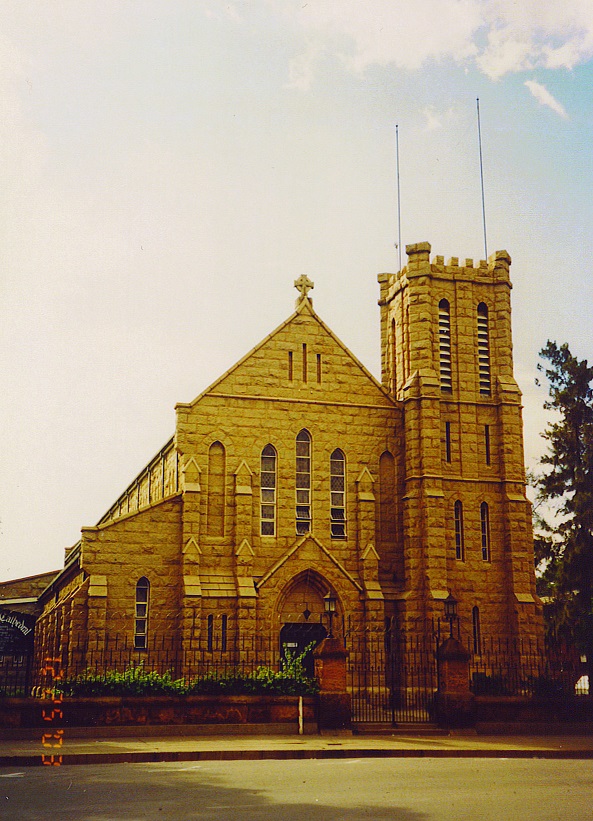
point(564, 550)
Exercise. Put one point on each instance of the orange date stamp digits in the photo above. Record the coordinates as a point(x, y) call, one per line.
point(54, 740)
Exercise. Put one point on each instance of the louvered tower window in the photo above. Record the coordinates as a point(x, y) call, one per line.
point(268, 477)
point(338, 494)
point(445, 346)
point(483, 350)
point(393, 350)
point(303, 482)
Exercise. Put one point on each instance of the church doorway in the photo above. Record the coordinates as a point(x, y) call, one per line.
point(295, 637)
point(302, 617)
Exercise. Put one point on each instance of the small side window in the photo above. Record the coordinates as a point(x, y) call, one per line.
point(141, 614)
point(338, 494)
point(268, 481)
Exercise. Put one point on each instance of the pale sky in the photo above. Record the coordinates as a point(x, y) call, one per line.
point(169, 168)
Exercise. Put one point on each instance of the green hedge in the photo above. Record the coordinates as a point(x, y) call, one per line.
point(291, 680)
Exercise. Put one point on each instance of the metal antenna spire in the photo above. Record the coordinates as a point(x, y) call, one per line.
point(482, 179)
point(399, 210)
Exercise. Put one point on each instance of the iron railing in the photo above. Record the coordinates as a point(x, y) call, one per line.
point(510, 667)
point(392, 677)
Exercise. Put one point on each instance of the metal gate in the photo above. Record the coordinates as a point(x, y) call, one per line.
point(393, 678)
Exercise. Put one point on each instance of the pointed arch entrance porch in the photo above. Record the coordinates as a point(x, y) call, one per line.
point(301, 616)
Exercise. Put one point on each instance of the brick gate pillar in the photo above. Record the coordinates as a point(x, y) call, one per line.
point(335, 704)
point(454, 700)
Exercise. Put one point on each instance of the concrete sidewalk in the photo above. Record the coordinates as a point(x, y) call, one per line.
point(137, 748)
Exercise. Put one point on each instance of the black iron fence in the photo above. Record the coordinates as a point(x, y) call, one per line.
point(16, 675)
point(515, 667)
point(392, 677)
point(162, 654)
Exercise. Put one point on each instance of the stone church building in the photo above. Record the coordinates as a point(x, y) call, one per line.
point(297, 475)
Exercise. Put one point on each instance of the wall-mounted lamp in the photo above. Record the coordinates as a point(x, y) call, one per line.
point(329, 603)
point(451, 612)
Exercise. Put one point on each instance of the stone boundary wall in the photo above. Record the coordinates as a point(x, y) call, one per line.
point(141, 711)
point(493, 712)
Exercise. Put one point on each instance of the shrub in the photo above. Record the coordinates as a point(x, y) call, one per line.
point(134, 681)
point(291, 680)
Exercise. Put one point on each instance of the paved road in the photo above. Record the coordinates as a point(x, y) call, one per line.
point(349, 790)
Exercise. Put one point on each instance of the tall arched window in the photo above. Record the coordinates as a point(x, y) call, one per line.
point(483, 350)
point(141, 614)
point(337, 464)
point(216, 483)
point(303, 482)
point(445, 346)
point(459, 540)
point(477, 632)
point(387, 524)
point(485, 528)
point(268, 479)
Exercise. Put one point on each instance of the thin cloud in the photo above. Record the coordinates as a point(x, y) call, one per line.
point(543, 96)
point(302, 69)
point(435, 119)
point(498, 36)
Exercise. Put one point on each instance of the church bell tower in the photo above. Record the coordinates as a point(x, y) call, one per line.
point(446, 355)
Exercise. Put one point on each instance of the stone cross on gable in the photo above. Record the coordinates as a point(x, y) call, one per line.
point(303, 284)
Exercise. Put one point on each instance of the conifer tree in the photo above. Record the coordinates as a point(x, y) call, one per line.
point(565, 547)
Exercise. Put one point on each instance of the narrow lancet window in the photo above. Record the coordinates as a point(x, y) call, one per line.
point(210, 633)
point(224, 622)
point(141, 614)
point(487, 443)
point(268, 480)
point(485, 528)
point(459, 545)
point(445, 346)
point(483, 350)
point(338, 494)
point(477, 632)
point(303, 482)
